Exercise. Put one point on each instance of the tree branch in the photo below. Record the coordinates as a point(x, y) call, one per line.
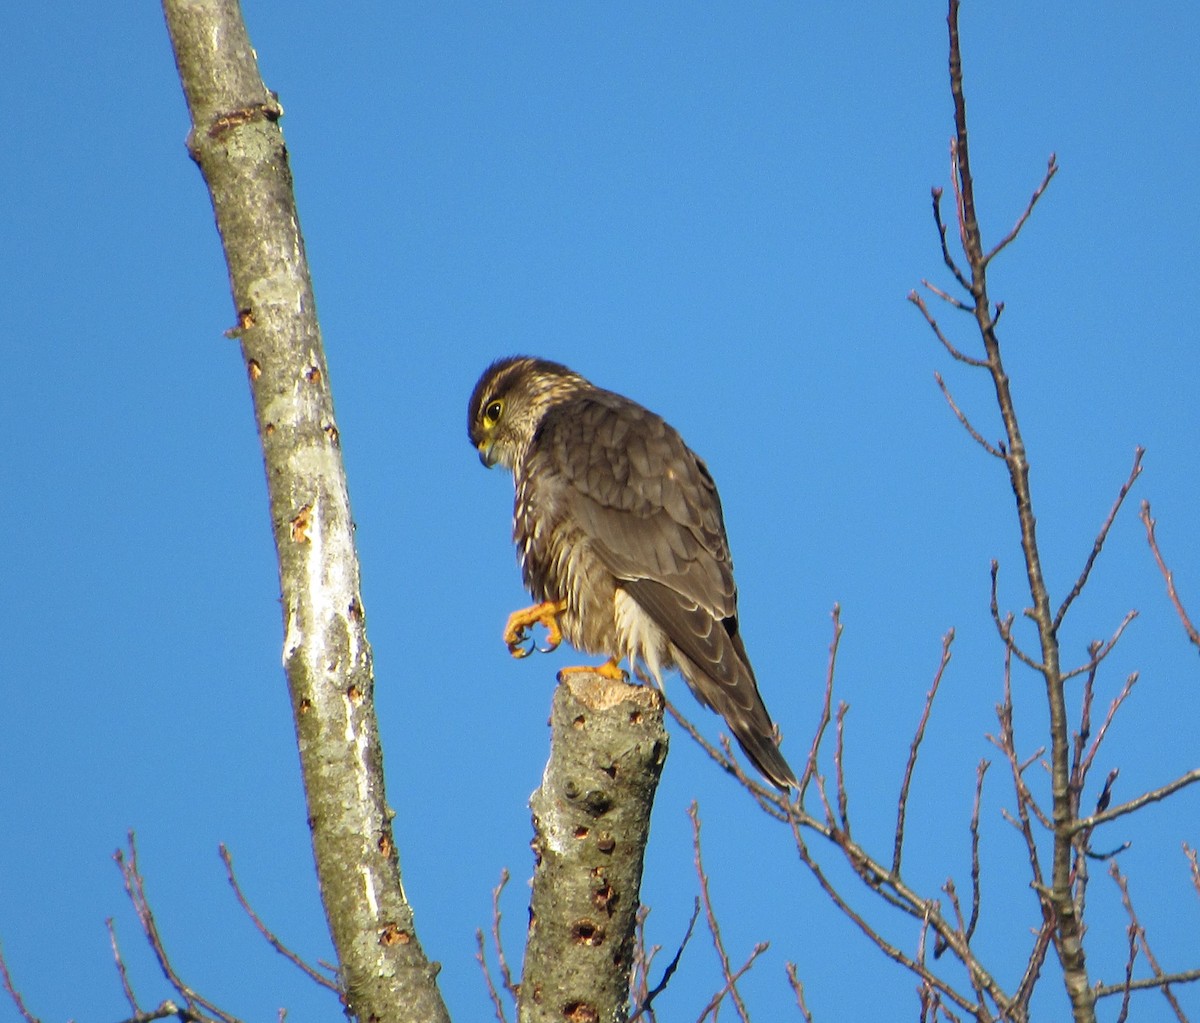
point(237, 142)
point(1098, 546)
point(914, 749)
point(1169, 576)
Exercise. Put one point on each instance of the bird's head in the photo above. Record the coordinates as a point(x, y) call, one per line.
point(509, 402)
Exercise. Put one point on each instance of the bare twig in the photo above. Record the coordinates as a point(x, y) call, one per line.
point(1130, 962)
point(135, 887)
point(1098, 545)
point(505, 972)
point(493, 994)
point(770, 801)
point(730, 987)
point(1169, 576)
point(1101, 650)
point(810, 767)
point(122, 972)
point(731, 977)
point(955, 353)
point(14, 994)
point(1163, 982)
point(843, 797)
point(798, 990)
point(1148, 983)
point(1193, 865)
point(936, 195)
point(1118, 700)
point(886, 947)
point(966, 423)
point(975, 873)
point(639, 973)
point(1051, 170)
point(945, 296)
point(1145, 799)
point(272, 939)
point(914, 748)
point(1004, 625)
point(647, 1000)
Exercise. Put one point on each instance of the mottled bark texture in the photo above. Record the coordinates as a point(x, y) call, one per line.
point(591, 820)
point(237, 142)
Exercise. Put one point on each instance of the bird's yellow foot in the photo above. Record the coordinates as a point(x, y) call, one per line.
point(516, 632)
point(610, 669)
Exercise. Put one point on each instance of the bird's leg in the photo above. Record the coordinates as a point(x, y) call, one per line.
point(610, 669)
point(516, 630)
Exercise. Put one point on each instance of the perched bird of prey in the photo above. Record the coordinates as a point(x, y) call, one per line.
point(621, 539)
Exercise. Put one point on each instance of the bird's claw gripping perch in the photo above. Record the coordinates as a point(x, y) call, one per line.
point(516, 631)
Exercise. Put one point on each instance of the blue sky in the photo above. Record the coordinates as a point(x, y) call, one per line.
point(715, 209)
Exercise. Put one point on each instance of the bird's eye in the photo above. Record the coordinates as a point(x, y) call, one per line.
point(492, 412)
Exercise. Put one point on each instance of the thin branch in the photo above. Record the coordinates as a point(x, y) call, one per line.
point(481, 959)
point(919, 302)
point(13, 993)
point(715, 1001)
point(1169, 576)
point(843, 796)
point(798, 990)
point(1135, 925)
point(122, 972)
point(135, 888)
point(1130, 961)
point(952, 893)
point(1083, 733)
point(1113, 707)
point(914, 748)
point(639, 972)
point(1103, 650)
point(936, 195)
point(975, 873)
point(672, 966)
point(887, 948)
point(1098, 545)
point(505, 972)
point(1193, 865)
point(1004, 625)
point(1135, 804)
point(966, 423)
point(1003, 243)
point(714, 928)
point(1148, 983)
point(770, 801)
point(272, 939)
point(945, 296)
point(810, 767)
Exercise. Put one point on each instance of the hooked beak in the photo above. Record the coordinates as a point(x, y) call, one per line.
point(486, 458)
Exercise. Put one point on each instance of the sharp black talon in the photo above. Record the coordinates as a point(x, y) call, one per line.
point(522, 645)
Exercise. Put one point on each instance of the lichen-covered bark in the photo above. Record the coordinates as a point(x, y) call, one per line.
point(237, 142)
point(591, 819)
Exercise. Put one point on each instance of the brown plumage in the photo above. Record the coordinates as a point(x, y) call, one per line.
point(620, 536)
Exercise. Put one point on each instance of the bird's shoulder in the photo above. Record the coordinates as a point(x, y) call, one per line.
point(619, 452)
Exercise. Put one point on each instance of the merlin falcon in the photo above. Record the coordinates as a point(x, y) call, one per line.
point(621, 540)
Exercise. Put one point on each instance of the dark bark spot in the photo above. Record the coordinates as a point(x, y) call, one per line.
point(394, 935)
point(587, 932)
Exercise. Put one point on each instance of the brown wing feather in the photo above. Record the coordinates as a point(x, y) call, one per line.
point(646, 501)
point(651, 513)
